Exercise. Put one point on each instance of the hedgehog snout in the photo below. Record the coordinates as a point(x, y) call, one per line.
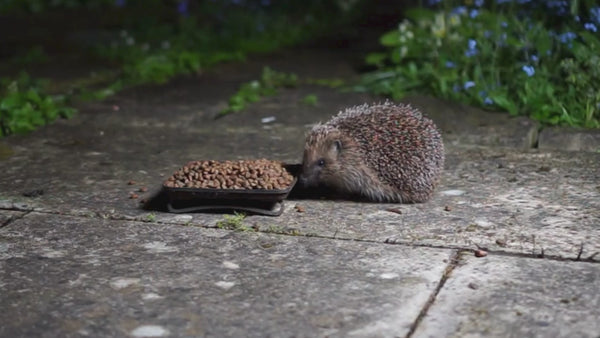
point(308, 177)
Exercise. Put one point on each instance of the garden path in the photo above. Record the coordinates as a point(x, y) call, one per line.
point(79, 257)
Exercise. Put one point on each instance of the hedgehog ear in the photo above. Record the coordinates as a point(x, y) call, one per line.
point(337, 146)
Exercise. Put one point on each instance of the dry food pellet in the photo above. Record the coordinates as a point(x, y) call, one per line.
point(241, 174)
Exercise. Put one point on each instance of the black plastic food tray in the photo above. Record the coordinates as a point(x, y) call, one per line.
point(259, 201)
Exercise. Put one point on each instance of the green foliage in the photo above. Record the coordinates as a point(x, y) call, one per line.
point(151, 51)
point(155, 48)
point(32, 56)
point(234, 222)
point(151, 217)
point(24, 106)
point(494, 58)
point(253, 91)
point(330, 83)
point(310, 100)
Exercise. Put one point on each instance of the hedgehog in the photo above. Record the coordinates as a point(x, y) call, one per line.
point(382, 152)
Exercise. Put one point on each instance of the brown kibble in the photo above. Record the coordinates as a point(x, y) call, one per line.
point(242, 174)
point(143, 189)
point(501, 242)
point(133, 195)
point(447, 208)
point(299, 208)
point(480, 253)
point(132, 182)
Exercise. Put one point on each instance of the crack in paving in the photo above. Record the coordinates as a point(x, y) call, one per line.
point(454, 261)
point(293, 232)
point(13, 219)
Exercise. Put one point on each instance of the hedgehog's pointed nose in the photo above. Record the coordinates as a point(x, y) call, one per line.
point(302, 180)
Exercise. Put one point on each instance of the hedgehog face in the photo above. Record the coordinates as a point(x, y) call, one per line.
point(320, 159)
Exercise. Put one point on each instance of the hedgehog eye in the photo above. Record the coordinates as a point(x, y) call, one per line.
point(321, 162)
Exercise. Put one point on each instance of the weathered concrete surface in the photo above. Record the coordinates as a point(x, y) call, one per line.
point(71, 276)
point(520, 202)
point(529, 201)
point(463, 124)
point(573, 139)
point(7, 216)
point(499, 296)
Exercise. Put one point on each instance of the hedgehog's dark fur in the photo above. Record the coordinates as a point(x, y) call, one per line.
point(384, 152)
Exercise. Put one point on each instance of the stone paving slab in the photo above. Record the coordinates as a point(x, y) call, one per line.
point(530, 203)
point(533, 202)
point(526, 200)
point(573, 139)
point(7, 216)
point(73, 276)
point(465, 125)
point(498, 296)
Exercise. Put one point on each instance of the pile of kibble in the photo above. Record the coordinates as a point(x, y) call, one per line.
point(242, 174)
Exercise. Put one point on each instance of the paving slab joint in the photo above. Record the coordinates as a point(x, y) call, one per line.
point(542, 255)
point(14, 218)
point(452, 264)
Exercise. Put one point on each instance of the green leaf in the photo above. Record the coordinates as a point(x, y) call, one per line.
point(543, 43)
point(390, 39)
point(503, 102)
point(376, 59)
point(590, 39)
point(419, 14)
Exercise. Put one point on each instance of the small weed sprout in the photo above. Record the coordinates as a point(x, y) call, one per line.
point(234, 222)
point(310, 100)
point(269, 84)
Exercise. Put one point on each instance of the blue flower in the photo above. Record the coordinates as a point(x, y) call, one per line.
point(472, 48)
point(504, 24)
point(534, 58)
point(567, 37)
point(479, 3)
point(433, 2)
point(472, 44)
point(529, 70)
point(486, 99)
point(561, 6)
point(182, 7)
point(469, 84)
point(487, 33)
point(474, 13)
point(590, 27)
point(595, 14)
point(459, 10)
point(450, 64)
point(470, 53)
